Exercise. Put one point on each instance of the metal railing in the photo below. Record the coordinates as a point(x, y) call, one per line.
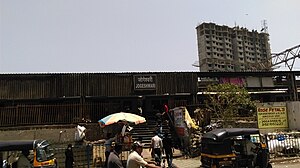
point(86, 156)
point(93, 155)
point(284, 144)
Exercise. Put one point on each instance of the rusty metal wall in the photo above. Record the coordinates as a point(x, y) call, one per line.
point(177, 83)
point(14, 86)
point(53, 114)
point(34, 99)
point(35, 86)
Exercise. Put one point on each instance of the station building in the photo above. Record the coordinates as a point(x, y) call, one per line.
point(64, 98)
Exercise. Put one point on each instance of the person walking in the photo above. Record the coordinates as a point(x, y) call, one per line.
point(114, 160)
point(108, 142)
point(168, 148)
point(135, 160)
point(69, 162)
point(157, 148)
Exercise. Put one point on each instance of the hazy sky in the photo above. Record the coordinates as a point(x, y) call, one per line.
point(128, 35)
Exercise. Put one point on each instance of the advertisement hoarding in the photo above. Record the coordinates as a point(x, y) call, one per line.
point(272, 117)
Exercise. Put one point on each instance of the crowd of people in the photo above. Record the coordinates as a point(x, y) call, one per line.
point(159, 146)
point(135, 158)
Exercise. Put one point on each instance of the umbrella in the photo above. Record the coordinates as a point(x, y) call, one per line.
point(122, 116)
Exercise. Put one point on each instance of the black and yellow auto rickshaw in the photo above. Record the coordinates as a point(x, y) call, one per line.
point(41, 152)
point(224, 148)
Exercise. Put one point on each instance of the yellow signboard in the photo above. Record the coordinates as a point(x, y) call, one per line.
point(272, 117)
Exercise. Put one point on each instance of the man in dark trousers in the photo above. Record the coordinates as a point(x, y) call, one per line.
point(168, 147)
point(69, 157)
point(113, 160)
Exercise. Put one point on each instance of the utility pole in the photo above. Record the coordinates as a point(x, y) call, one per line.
point(292, 86)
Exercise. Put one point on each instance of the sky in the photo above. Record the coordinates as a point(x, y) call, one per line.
point(53, 36)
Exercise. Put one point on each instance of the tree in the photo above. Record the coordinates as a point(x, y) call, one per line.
point(225, 101)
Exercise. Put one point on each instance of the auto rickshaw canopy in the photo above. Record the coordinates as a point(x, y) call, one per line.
point(224, 133)
point(19, 145)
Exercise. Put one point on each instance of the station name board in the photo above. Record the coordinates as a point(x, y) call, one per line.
point(144, 82)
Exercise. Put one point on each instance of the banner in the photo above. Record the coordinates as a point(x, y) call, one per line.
point(183, 121)
point(272, 117)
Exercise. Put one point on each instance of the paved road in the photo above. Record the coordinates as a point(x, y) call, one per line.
point(181, 162)
point(187, 163)
point(289, 164)
point(195, 163)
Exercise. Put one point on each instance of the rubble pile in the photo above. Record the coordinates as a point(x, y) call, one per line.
point(195, 143)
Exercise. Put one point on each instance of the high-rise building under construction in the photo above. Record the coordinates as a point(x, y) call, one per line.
point(222, 48)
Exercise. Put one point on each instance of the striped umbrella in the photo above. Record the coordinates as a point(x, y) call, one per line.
point(122, 116)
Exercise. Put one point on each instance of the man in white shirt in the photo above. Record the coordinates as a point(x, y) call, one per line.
point(135, 159)
point(157, 147)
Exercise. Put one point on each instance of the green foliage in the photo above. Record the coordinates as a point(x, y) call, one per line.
point(225, 100)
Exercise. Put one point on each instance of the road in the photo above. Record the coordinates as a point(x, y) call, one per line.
point(195, 163)
point(289, 164)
